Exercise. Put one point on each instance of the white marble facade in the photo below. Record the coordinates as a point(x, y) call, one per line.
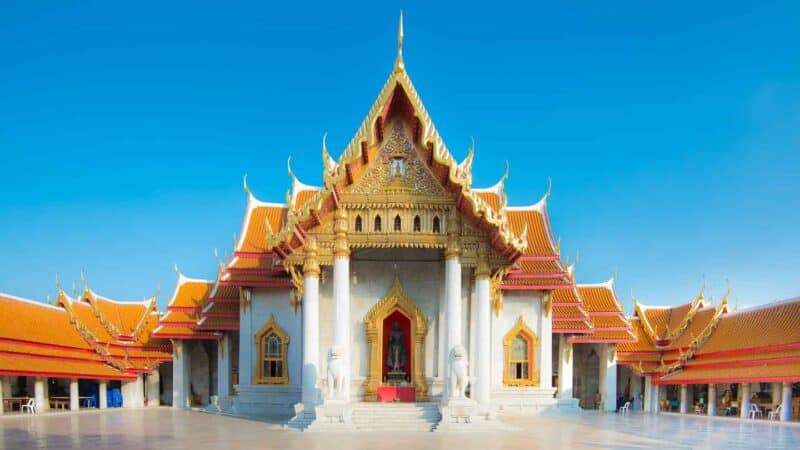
point(372, 273)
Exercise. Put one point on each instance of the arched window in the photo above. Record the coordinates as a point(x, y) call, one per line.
point(358, 223)
point(273, 344)
point(417, 226)
point(437, 228)
point(519, 348)
point(377, 223)
point(397, 223)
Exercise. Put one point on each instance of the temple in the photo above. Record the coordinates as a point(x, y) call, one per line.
point(397, 291)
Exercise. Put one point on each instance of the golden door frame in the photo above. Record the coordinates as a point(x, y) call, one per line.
point(395, 300)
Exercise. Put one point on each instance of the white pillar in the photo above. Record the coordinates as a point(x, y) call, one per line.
point(180, 375)
point(684, 399)
point(341, 314)
point(483, 361)
point(786, 412)
point(310, 392)
point(453, 312)
point(133, 392)
point(74, 399)
point(40, 394)
point(246, 333)
point(3, 383)
point(102, 394)
point(608, 378)
point(153, 385)
point(744, 389)
point(224, 367)
point(655, 406)
point(546, 343)
point(712, 400)
point(565, 371)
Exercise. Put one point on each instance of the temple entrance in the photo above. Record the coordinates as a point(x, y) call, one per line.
point(396, 329)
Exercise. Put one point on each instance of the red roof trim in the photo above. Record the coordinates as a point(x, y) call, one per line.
point(30, 373)
point(221, 300)
point(532, 287)
point(254, 255)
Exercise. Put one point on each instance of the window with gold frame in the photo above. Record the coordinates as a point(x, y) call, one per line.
point(273, 346)
point(519, 346)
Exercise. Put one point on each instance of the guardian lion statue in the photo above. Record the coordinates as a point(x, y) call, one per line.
point(459, 372)
point(335, 374)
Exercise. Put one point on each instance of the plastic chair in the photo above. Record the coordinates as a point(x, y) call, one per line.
point(776, 413)
point(755, 411)
point(625, 408)
point(29, 407)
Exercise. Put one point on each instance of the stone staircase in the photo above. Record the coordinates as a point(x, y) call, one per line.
point(372, 416)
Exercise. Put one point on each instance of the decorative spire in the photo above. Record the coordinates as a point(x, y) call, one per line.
point(244, 184)
point(398, 63)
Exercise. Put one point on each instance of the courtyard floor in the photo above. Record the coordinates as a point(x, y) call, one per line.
point(164, 428)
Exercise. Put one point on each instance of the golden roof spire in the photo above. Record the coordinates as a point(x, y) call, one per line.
point(398, 63)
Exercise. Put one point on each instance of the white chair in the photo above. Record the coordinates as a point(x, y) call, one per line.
point(29, 407)
point(755, 411)
point(776, 413)
point(625, 408)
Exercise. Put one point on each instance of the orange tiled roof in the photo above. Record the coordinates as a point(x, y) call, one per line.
point(540, 239)
point(770, 325)
point(755, 373)
point(41, 340)
point(258, 217)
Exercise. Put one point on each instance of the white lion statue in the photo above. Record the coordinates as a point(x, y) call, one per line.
point(335, 374)
point(459, 372)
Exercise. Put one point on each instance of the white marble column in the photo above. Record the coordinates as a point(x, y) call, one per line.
point(744, 391)
point(565, 371)
point(684, 408)
point(608, 378)
point(40, 394)
point(102, 394)
point(712, 400)
point(310, 391)
point(74, 399)
point(546, 343)
point(133, 393)
point(452, 313)
point(786, 411)
point(342, 334)
point(224, 366)
point(153, 385)
point(246, 353)
point(655, 407)
point(483, 361)
point(180, 375)
point(3, 383)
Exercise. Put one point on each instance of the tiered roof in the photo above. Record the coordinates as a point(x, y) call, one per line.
point(78, 339)
point(184, 310)
point(754, 345)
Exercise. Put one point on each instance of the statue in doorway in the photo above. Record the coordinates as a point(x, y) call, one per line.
point(396, 357)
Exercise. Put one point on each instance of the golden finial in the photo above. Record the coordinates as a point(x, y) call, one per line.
point(577, 258)
point(558, 245)
point(74, 290)
point(83, 280)
point(614, 275)
point(235, 242)
point(177, 270)
point(549, 187)
point(398, 64)
point(244, 184)
point(58, 283)
point(505, 175)
point(633, 299)
point(566, 261)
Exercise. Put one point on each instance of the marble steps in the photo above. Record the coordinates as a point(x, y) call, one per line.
point(396, 416)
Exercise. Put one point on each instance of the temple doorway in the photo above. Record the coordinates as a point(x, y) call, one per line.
point(395, 328)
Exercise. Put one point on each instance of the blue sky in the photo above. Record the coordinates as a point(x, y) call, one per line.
point(671, 132)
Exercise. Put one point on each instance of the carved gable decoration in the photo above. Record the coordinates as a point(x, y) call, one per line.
point(398, 169)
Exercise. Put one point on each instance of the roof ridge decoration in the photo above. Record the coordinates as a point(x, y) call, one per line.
point(85, 333)
point(429, 137)
point(669, 334)
point(701, 339)
point(695, 305)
